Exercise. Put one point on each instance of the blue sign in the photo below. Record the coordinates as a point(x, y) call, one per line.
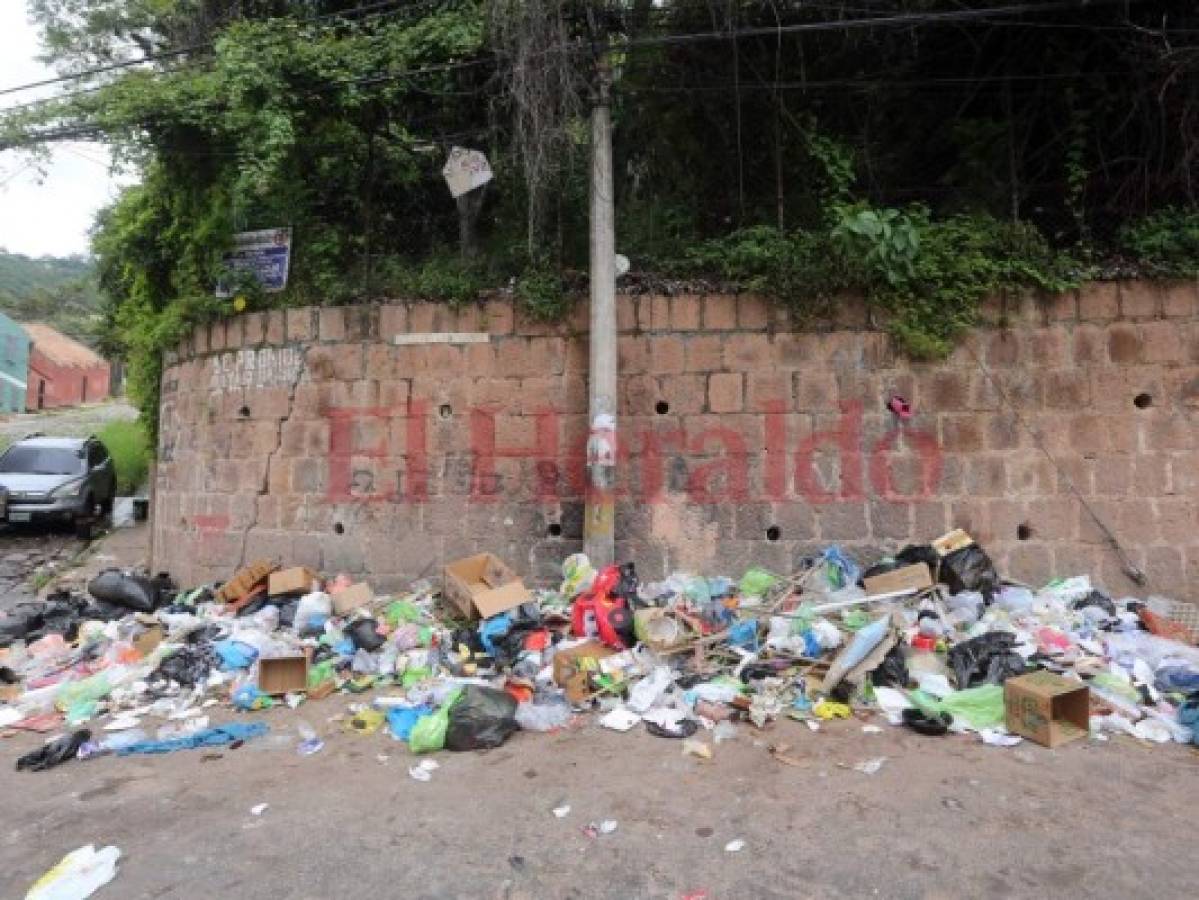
point(264, 255)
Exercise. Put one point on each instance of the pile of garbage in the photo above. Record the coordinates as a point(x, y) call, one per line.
point(932, 640)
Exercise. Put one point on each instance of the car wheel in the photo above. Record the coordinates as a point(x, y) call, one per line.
point(86, 520)
point(106, 506)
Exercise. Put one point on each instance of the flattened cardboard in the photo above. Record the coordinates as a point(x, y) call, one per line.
point(296, 580)
point(283, 674)
point(244, 581)
point(915, 576)
point(351, 598)
point(482, 586)
point(1047, 709)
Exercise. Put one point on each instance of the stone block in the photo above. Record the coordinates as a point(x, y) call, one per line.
point(726, 392)
point(753, 312)
point(685, 312)
point(1098, 301)
point(1139, 299)
point(720, 312)
point(299, 324)
point(333, 324)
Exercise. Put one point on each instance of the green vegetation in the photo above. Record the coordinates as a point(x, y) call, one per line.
point(922, 165)
point(129, 446)
point(59, 291)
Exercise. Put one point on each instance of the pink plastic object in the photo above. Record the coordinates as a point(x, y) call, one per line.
point(900, 407)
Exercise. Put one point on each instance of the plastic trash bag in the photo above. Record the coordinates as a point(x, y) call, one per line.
point(980, 707)
point(892, 671)
point(54, 753)
point(365, 635)
point(428, 734)
point(189, 665)
point(77, 875)
point(756, 582)
point(136, 592)
point(645, 693)
point(987, 659)
point(402, 719)
point(1177, 679)
point(483, 718)
point(970, 569)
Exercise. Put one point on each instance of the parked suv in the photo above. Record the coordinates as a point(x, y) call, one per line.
point(49, 479)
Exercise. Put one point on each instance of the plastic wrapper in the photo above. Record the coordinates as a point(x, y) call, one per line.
point(756, 582)
point(429, 732)
point(77, 875)
point(543, 716)
point(481, 719)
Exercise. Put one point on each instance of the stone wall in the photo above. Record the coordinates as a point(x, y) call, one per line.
point(311, 436)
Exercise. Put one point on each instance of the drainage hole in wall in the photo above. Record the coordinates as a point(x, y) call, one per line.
point(773, 533)
point(244, 412)
point(445, 411)
point(555, 530)
point(338, 528)
point(661, 407)
point(1023, 532)
point(1142, 401)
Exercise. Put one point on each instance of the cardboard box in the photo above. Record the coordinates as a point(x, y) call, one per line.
point(951, 541)
point(296, 580)
point(483, 586)
point(914, 576)
point(573, 666)
point(283, 674)
point(244, 581)
point(1047, 709)
point(351, 598)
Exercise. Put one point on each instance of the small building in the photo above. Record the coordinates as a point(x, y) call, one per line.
point(62, 371)
point(14, 366)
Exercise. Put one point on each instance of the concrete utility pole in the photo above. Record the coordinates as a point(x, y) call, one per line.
point(599, 531)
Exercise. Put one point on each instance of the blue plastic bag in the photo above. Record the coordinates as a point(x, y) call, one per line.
point(401, 719)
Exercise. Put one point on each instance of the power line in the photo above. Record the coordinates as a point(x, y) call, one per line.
point(66, 132)
point(367, 11)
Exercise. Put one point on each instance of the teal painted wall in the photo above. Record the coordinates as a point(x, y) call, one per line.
point(14, 365)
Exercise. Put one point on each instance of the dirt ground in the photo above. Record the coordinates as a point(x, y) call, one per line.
point(943, 817)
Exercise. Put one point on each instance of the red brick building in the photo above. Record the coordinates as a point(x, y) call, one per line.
point(62, 371)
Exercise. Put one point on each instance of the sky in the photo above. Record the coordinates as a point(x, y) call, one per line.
point(46, 213)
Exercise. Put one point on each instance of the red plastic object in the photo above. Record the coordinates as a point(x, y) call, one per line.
point(924, 642)
point(593, 610)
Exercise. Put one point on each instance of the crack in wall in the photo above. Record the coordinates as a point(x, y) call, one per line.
point(264, 487)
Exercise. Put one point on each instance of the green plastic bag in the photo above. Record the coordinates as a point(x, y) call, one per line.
point(756, 582)
point(320, 673)
point(79, 698)
point(979, 707)
point(402, 611)
point(428, 734)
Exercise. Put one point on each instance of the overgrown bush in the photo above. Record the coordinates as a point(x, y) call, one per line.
point(128, 444)
point(1165, 243)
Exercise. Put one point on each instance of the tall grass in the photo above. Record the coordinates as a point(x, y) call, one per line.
point(129, 446)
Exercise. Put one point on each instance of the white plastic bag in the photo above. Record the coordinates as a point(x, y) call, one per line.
point(78, 875)
point(645, 693)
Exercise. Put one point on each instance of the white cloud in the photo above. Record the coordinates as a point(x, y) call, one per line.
point(45, 212)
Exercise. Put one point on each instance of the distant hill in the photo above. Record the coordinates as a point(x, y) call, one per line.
point(60, 291)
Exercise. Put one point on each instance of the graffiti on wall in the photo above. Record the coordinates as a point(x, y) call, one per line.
point(263, 368)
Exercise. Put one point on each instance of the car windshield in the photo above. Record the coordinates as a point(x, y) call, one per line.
point(41, 461)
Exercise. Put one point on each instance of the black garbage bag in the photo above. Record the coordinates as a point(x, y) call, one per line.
point(986, 659)
point(509, 646)
point(287, 612)
point(127, 589)
point(970, 569)
point(931, 724)
point(919, 553)
point(482, 718)
point(365, 635)
point(62, 613)
point(626, 587)
point(54, 753)
point(892, 671)
point(17, 625)
point(189, 665)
